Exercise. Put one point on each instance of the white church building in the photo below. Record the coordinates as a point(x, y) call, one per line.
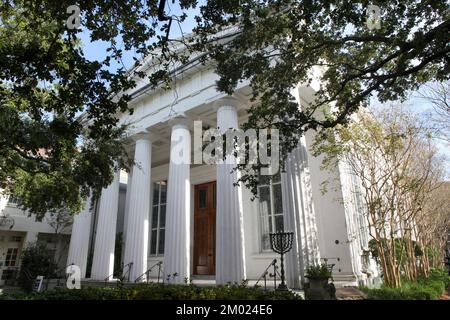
point(191, 216)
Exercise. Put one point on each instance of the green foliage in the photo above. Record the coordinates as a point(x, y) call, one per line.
point(400, 248)
point(434, 255)
point(283, 43)
point(430, 288)
point(319, 271)
point(36, 261)
point(160, 292)
point(50, 156)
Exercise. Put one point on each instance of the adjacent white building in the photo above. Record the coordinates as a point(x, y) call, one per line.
point(17, 229)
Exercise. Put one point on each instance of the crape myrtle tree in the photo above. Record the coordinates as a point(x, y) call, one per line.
point(438, 95)
point(394, 158)
point(50, 157)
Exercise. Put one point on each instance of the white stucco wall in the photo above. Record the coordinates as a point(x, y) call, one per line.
point(28, 224)
point(331, 219)
point(30, 230)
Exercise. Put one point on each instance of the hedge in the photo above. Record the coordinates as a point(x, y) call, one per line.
point(158, 292)
point(430, 288)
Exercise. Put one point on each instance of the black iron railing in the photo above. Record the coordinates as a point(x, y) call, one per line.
point(125, 275)
point(147, 273)
point(269, 274)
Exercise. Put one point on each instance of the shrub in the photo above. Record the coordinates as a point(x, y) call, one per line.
point(400, 245)
point(159, 292)
point(36, 261)
point(319, 271)
point(430, 288)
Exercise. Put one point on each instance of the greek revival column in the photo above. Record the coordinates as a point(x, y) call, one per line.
point(126, 213)
point(103, 261)
point(290, 212)
point(299, 216)
point(136, 245)
point(79, 239)
point(177, 237)
point(230, 254)
point(307, 221)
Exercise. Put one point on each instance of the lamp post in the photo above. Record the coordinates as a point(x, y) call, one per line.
point(281, 243)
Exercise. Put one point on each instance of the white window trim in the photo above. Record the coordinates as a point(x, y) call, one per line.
point(272, 214)
point(158, 223)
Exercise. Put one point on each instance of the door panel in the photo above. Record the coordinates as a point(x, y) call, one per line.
point(205, 229)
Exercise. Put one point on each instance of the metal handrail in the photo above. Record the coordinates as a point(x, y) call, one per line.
point(146, 273)
point(273, 275)
point(128, 271)
point(129, 265)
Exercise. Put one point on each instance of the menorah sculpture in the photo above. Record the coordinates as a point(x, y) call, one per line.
point(281, 243)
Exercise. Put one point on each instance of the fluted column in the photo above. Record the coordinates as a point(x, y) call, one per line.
point(308, 216)
point(177, 237)
point(136, 245)
point(79, 239)
point(230, 254)
point(126, 213)
point(290, 213)
point(103, 260)
point(299, 215)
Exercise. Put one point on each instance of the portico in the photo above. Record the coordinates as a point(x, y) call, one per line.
point(189, 214)
point(227, 238)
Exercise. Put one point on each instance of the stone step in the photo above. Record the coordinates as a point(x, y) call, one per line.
point(350, 293)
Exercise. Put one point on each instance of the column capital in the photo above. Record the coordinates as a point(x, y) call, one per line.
point(180, 120)
point(142, 135)
point(227, 101)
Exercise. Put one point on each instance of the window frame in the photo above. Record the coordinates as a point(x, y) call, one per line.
point(270, 183)
point(8, 258)
point(158, 227)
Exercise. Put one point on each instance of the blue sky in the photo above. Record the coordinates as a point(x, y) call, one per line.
point(422, 108)
point(97, 50)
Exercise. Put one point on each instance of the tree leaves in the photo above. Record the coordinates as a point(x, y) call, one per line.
point(59, 134)
point(46, 81)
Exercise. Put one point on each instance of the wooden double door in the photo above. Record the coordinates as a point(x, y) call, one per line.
point(205, 229)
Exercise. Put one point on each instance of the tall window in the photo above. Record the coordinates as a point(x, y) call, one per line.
point(360, 210)
point(158, 218)
point(270, 208)
point(11, 257)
